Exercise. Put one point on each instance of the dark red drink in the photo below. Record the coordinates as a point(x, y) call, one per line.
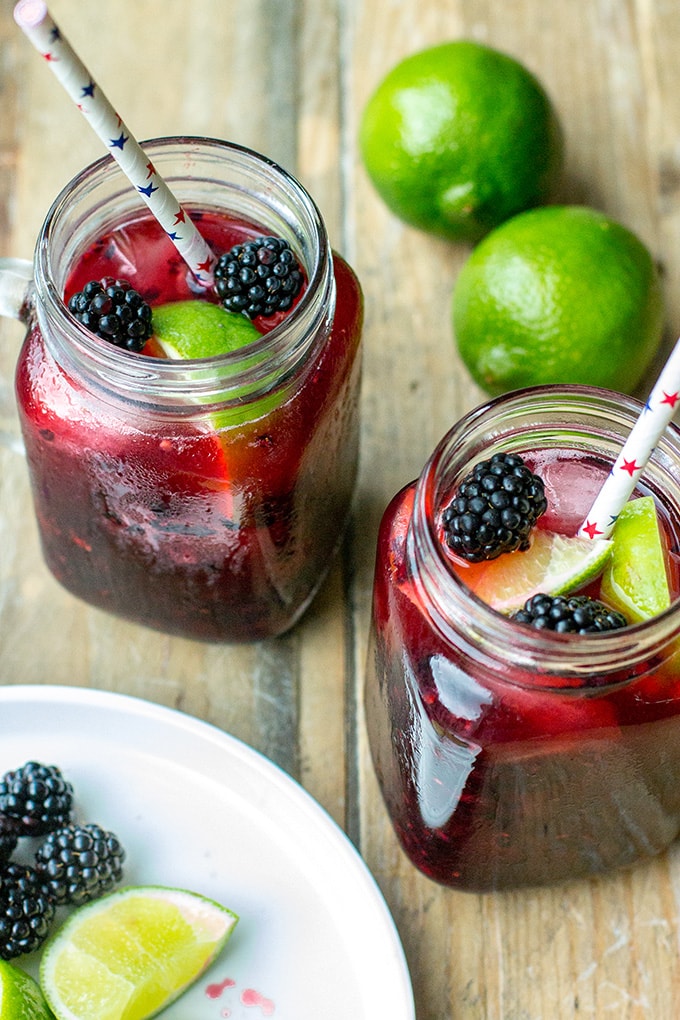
point(507, 756)
point(212, 512)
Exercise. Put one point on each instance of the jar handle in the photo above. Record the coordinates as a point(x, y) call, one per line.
point(16, 276)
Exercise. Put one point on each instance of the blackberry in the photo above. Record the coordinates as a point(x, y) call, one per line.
point(26, 911)
point(258, 277)
point(9, 837)
point(569, 614)
point(78, 863)
point(494, 509)
point(36, 797)
point(114, 311)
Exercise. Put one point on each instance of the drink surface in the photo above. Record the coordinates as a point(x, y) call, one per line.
point(177, 521)
point(572, 481)
point(141, 252)
point(495, 773)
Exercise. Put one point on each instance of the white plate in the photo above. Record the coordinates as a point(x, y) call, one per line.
point(198, 809)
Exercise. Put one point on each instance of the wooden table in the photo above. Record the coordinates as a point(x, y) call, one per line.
point(290, 79)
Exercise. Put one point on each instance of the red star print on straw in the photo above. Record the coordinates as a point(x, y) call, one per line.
point(591, 529)
point(632, 460)
point(34, 19)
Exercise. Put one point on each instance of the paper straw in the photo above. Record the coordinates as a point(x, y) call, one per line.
point(33, 17)
point(636, 451)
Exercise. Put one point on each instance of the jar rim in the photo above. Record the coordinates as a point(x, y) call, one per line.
point(165, 379)
point(452, 604)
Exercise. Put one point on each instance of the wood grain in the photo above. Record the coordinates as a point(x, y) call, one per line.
point(290, 77)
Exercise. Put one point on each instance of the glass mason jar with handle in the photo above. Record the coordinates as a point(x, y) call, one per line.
point(507, 755)
point(201, 497)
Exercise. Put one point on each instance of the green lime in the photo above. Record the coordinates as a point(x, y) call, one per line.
point(635, 580)
point(20, 995)
point(129, 954)
point(553, 564)
point(459, 137)
point(560, 294)
point(200, 329)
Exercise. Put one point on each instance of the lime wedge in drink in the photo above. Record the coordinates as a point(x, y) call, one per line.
point(635, 580)
point(131, 953)
point(199, 329)
point(554, 564)
point(20, 995)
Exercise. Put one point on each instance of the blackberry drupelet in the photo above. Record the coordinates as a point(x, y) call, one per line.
point(494, 509)
point(78, 863)
point(258, 277)
point(26, 911)
point(569, 614)
point(114, 311)
point(36, 797)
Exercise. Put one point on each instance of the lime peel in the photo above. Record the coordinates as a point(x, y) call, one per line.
point(558, 294)
point(635, 580)
point(451, 154)
point(131, 953)
point(20, 996)
point(554, 564)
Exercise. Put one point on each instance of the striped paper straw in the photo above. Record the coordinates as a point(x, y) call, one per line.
point(33, 17)
point(636, 451)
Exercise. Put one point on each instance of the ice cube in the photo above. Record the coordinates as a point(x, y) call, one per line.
point(571, 485)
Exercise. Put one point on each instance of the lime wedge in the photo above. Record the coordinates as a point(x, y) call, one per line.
point(199, 329)
point(131, 953)
point(635, 581)
point(554, 564)
point(20, 995)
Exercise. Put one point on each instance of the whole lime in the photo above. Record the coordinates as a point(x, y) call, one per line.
point(561, 294)
point(459, 137)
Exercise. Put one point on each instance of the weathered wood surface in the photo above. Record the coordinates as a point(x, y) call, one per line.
point(290, 77)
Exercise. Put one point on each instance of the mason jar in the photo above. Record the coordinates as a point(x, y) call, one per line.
point(202, 497)
point(507, 755)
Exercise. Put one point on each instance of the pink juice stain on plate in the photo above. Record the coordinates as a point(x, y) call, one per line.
point(214, 991)
point(249, 997)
